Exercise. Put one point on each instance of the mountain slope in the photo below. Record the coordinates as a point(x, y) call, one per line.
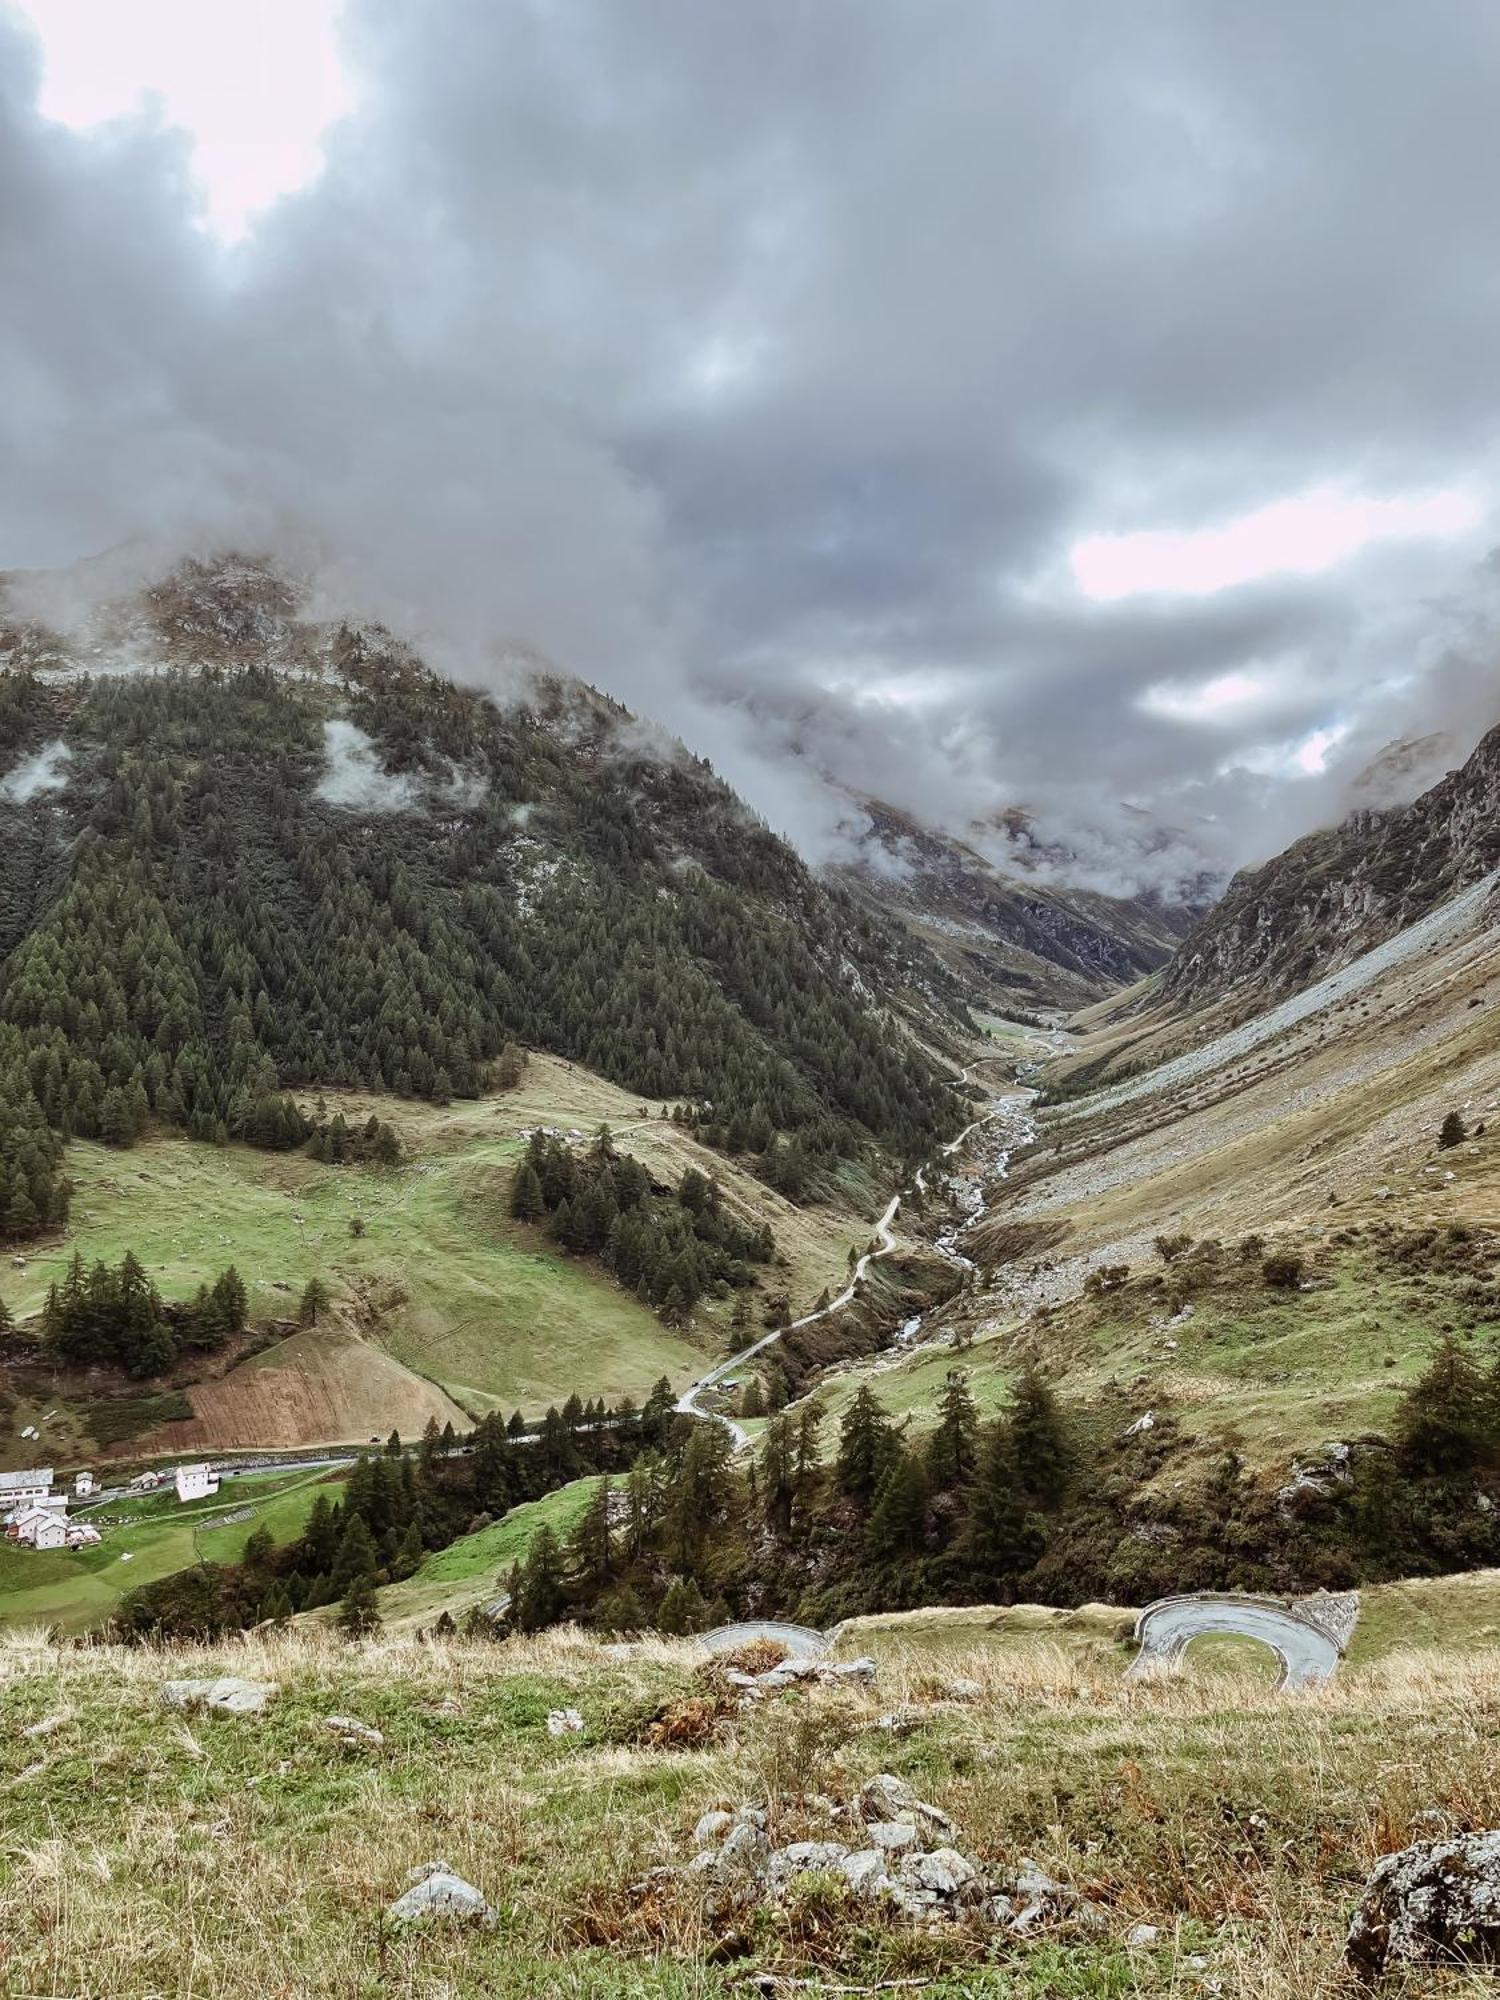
point(242, 848)
point(1342, 890)
point(1031, 941)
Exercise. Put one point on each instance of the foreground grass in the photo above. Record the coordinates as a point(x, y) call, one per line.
point(147, 1854)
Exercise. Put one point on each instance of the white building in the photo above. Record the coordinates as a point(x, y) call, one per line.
point(82, 1536)
point(196, 1482)
point(24, 1489)
point(144, 1482)
point(84, 1484)
point(40, 1528)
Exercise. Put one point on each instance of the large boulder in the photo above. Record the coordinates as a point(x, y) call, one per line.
point(1435, 1902)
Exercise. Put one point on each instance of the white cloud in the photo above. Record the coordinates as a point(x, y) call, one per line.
point(355, 777)
point(45, 772)
point(1305, 535)
point(255, 87)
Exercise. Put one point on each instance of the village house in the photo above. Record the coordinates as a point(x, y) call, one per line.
point(39, 1528)
point(19, 1490)
point(144, 1482)
point(196, 1482)
point(82, 1536)
point(84, 1483)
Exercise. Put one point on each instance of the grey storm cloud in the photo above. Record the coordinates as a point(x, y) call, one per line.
point(763, 364)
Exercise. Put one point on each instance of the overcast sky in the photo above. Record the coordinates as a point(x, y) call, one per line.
point(1085, 407)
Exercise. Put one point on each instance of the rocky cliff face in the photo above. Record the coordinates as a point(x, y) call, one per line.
point(1010, 940)
point(1339, 892)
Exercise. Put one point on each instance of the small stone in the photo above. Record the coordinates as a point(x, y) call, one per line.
point(865, 1872)
point(1431, 1903)
point(437, 1894)
point(744, 1850)
point(945, 1872)
point(355, 1734)
point(228, 1694)
point(804, 1857)
point(963, 1690)
point(893, 1836)
point(712, 1828)
point(564, 1722)
point(884, 1796)
point(46, 1726)
point(1142, 1934)
point(863, 1670)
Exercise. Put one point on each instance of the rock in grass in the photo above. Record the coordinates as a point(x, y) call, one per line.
point(712, 1828)
point(865, 1872)
point(437, 1895)
point(564, 1722)
point(884, 1796)
point(1434, 1902)
point(358, 1735)
point(804, 1857)
point(228, 1694)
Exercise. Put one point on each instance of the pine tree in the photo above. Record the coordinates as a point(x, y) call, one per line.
point(592, 1547)
point(952, 1451)
point(999, 1539)
point(867, 1444)
point(526, 1202)
point(1041, 1453)
point(1452, 1131)
point(359, 1612)
point(682, 1609)
point(314, 1302)
point(1449, 1419)
point(898, 1520)
point(538, 1597)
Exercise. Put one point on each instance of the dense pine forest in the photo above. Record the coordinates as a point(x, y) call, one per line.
point(203, 909)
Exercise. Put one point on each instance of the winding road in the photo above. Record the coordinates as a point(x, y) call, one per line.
point(688, 1403)
point(1164, 1630)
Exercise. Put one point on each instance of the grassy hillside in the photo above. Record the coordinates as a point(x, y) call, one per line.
point(74, 1589)
point(444, 1305)
point(147, 1853)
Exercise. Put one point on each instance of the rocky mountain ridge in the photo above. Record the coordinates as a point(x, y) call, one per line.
point(1344, 889)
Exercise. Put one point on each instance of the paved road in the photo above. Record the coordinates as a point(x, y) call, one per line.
point(1164, 1630)
point(801, 1641)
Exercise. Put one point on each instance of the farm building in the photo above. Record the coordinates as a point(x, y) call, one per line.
point(82, 1536)
point(84, 1484)
point(24, 1489)
point(196, 1482)
point(145, 1482)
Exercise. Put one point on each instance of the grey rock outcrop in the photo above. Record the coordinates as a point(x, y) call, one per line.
point(1435, 1902)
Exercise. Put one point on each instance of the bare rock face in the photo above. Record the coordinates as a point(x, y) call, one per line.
point(1435, 1902)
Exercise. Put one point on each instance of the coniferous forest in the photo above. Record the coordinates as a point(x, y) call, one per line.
point(190, 927)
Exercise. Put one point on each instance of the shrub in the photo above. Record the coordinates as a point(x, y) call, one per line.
point(1282, 1270)
point(1452, 1131)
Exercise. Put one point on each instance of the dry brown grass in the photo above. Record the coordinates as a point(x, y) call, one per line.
point(145, 1853)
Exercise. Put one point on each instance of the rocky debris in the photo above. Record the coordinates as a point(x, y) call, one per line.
point(963, 1689)
point(1142, 1934)
point(564, 1722)
point(228, 1694)
point(1432, 1903)
point(438, 1894)
point(909, 1864)
point(356, 1735)
point(1140, 1426)
point(818, 1673)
